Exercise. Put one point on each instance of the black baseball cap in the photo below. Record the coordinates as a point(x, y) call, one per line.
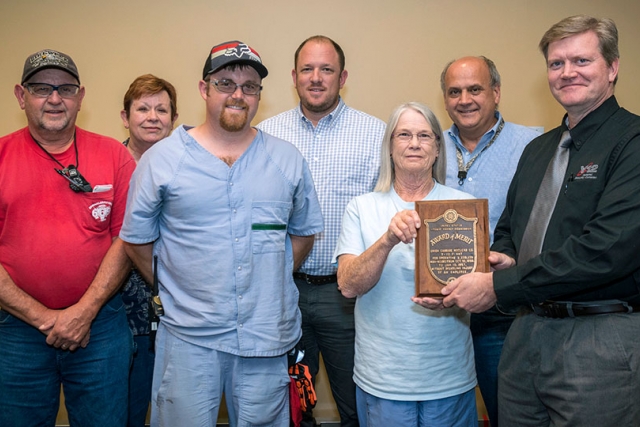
point(49, 58)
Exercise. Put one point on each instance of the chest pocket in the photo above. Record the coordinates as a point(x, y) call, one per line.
point(97, 214)
point(269, 226)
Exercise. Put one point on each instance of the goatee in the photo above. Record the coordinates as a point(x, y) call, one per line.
point(237, 121)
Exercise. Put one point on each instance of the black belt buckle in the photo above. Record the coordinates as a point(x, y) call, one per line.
point(552, 310)
point(316, 280)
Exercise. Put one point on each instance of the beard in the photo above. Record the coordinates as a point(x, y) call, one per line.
point(57, 125)
point(53, 126)
point(322, 107)
point(234, 122)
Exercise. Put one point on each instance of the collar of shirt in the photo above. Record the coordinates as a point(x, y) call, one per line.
point(328, 120)
point(454, 133)
point(592, 122)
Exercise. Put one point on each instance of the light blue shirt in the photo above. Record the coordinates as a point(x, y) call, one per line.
point(343, 152)
point(491, 173)
point(225, 257)
point(403, 351)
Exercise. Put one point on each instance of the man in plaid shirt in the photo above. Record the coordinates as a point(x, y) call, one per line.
point(342, 147)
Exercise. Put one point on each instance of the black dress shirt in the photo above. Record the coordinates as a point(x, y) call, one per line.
point(590, 250)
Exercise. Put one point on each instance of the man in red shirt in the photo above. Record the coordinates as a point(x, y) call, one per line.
point(61, 261)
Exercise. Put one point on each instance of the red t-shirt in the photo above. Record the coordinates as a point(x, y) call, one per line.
point(52, 239)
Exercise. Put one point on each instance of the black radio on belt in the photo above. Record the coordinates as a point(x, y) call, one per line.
point(155, 305)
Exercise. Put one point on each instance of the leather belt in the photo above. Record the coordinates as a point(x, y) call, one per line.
point(316, 280)
point(560, 310)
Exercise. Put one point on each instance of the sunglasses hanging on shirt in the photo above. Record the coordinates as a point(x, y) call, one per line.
point(77, 182)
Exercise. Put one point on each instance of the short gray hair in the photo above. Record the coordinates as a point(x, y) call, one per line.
point(387, 171)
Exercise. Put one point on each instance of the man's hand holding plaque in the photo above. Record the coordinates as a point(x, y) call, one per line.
point(453, 240)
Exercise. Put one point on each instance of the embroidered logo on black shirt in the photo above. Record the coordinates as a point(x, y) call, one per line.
point(589, 171)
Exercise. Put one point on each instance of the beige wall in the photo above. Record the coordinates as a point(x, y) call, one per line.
point(395, 49)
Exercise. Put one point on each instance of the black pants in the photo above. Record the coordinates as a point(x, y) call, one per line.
point(328, 329)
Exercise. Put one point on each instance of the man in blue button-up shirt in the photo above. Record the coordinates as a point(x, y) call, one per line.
point(482, 154)
point(342, 146)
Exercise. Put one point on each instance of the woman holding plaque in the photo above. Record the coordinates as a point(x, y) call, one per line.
point(414, 360)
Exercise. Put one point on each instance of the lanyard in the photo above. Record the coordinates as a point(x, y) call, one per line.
point(75, 146)
point(71, 173)
point(462, 168)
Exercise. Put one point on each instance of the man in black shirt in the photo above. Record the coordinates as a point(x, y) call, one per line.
point(571, 356)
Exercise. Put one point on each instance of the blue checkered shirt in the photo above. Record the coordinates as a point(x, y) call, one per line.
point(343, 152)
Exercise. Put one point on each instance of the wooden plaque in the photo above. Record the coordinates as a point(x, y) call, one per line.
point(453, 239)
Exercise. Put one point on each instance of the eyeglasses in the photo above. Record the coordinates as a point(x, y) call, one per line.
point(44, 90)
point(423, 137)
point(229, 86)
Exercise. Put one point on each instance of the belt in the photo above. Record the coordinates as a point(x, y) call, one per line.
point(559, 310)
point(316, 280)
